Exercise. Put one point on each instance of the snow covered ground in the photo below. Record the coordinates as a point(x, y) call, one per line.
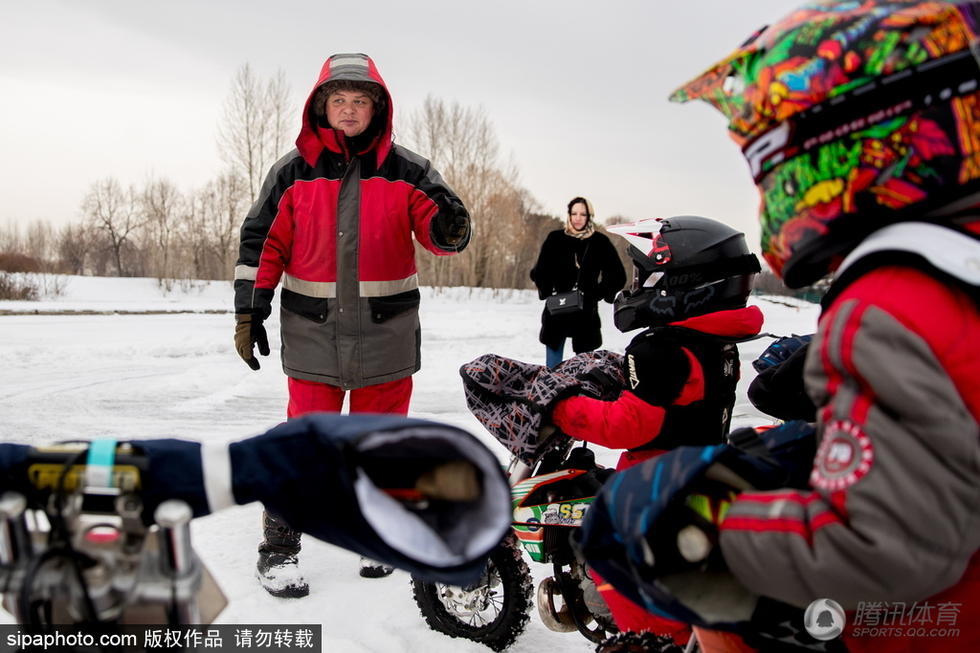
point(163, 365)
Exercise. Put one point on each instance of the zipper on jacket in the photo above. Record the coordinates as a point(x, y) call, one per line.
point(347, 294)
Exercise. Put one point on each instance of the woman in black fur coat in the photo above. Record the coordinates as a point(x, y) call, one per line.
point(576, 254)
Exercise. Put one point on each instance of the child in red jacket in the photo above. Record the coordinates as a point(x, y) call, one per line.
point(692, 277)
point(860, 122)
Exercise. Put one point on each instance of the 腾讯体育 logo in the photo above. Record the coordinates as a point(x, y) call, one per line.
point(824, 619)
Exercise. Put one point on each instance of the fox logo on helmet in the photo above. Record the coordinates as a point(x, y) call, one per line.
point(698, 297)
point(663, 306)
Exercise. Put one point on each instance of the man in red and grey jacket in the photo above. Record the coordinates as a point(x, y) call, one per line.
point(334, 224)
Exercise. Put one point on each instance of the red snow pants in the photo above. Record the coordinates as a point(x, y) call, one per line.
point(310, 396)
point(628, 615)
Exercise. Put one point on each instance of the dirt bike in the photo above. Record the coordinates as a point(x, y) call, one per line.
point(75, 548)
point(91, 535)
point(550, 500)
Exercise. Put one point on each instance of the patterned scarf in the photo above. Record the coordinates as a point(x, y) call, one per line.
point(586, 231)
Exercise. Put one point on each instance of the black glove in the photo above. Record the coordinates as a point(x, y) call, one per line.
point(780, 350)
point(779, 390)
point(655, 371)
point(451, 226)
point(690, 538)
point(248, 333)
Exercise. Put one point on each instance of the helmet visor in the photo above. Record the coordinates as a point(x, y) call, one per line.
point(638, 283)
point(649, 262)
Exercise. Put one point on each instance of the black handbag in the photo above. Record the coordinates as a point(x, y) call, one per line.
point(564, 303)
point(572, 301)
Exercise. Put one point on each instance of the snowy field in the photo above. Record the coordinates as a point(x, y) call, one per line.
point(163, 365)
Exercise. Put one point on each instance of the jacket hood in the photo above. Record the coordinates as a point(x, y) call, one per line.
point(355, 67)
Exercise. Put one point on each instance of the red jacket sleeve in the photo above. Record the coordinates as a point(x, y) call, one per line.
point(630, 421)
point(624, 423)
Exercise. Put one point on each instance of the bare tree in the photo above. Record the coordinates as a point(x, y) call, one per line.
point(279, 114)
point(74, 243)
point(225, 223)
point(461, 143)
point(767, 283)
point(240, 133)
point(113, 213)
point(196, 250)
point(254, 130)
point(617, 219)
point(39, 241)
point(209, 232)
point(10, 238)
point(160, 204)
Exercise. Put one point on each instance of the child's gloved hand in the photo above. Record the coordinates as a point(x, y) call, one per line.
point(689, 536)
point(779, 351)
point(698, 540)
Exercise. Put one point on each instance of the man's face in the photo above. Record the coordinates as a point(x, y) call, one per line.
point(349, 111)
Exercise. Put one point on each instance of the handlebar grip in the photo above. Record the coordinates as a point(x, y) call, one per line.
point(694, 544)
point(13, 529)
point(173, 517)
point(64, 465)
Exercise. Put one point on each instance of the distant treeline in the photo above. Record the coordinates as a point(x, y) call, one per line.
point(156, 229)
point(767, 283)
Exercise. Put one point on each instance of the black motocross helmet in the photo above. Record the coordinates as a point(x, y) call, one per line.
point(682, 267)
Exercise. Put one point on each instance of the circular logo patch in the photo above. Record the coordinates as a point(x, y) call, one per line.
point(845, 455)
point(824, 619)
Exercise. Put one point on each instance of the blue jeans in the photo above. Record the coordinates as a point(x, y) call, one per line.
point(554, 356)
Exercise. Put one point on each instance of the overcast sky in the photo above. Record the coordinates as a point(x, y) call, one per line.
point(576, 90)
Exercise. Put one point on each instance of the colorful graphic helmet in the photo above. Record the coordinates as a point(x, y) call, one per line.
point(852, 115)
point(682, 267)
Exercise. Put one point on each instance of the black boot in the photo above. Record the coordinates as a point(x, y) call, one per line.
point(645, 642)
point(277, 568)
point(374, 569)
